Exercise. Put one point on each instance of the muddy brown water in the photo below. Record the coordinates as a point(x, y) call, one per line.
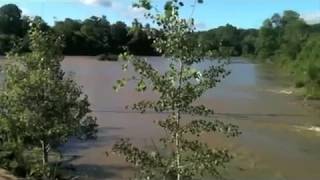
point(275, 142)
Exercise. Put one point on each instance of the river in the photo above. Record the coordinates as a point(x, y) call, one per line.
point(277, 140)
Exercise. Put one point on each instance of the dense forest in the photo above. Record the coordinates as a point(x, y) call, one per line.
point(283, 39)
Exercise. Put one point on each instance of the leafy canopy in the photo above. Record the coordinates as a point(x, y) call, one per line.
point(40, 107)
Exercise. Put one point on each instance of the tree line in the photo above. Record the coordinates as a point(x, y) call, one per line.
point(92, 36)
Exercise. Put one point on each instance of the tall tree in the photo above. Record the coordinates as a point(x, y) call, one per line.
point(119, 36)
point(248, 41)
point(139, 42)
point(267, 43)
point(96, 31)
point(11, 26)
point(10, 19)
point(40, 106)
point(290, 16)
point(74, 40)
point(183, 157)
point(294, 34)
point(229, 37)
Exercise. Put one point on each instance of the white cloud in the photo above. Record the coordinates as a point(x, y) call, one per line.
point(128, 11)
point(26, 12)
point(106, 3)
point(135, 12)
point(201, 26)
point(312, 17)
point(123, 8)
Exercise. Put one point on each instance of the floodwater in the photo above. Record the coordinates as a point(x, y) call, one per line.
point(277, 140)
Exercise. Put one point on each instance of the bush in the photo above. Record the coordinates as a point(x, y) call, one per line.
point(109, 57)
point(13, 160)
point(300, 84)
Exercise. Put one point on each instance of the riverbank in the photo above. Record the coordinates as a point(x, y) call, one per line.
point(4, 175)
point(296, 84)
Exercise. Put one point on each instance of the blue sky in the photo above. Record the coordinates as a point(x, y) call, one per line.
point(213, 13)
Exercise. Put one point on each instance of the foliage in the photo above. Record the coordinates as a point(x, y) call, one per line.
point(288, 41)
point(267, 43)
point(139, 42)
point(92, 36)
point(307, 66)
point(11, 158)
point(96, 35)
point(242, 42)
point(96, 32)
point(6, 42)
point(12, 26)
point(119, 36)
point(183, 157)
point(10, 19)
point(40, 107)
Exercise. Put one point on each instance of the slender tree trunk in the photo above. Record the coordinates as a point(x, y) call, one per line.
point(44, 153)
point(178, 118)
point(178, 157)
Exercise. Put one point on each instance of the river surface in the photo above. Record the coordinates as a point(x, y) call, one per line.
point(277, 140)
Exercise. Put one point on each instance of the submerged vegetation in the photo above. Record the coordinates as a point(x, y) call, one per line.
point(182, 154)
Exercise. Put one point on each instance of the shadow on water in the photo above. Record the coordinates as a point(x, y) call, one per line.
point(99, 172)
point(75, 145)
point(94, 171)
point(222, 114)
point(85, 171)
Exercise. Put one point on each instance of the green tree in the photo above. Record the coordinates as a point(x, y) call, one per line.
point(179, 87)
point(248, 40)
point(139, 42)
point(307, 66)
point(229, 37)
point(294, 34)
point(226, 36)
point(96, 31)
point(267, 43)
point(6, 43)
point(119, 36)
point(40, 107)
point(10, 19)
point(74, 40)
point(11, 27)
point(289, 16)
point(209, 40)
point(276, 20)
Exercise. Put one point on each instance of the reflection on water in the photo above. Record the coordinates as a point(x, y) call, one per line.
point(271, 146)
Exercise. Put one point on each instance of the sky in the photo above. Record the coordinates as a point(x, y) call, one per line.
point(211, 14)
